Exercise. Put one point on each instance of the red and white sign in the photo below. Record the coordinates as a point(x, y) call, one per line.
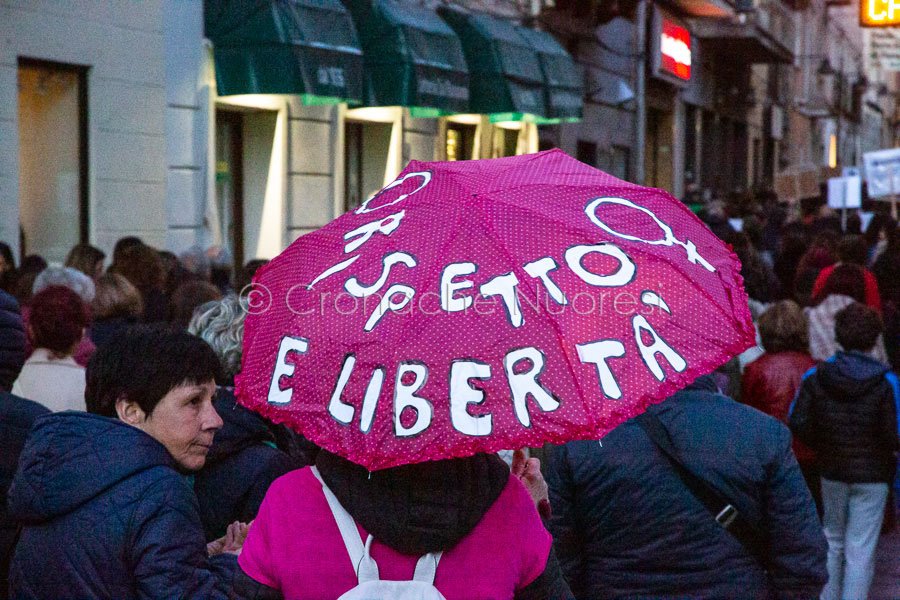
point(675, 50)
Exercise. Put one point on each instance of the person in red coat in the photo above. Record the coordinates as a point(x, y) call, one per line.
point(771, 382)
point(851, 251)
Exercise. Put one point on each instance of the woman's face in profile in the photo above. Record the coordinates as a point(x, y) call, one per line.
point(185, 422)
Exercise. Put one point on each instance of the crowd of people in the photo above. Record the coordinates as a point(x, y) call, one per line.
point(129, 470)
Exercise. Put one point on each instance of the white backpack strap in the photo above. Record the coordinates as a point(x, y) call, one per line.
point(426, 568)
point(363, 564)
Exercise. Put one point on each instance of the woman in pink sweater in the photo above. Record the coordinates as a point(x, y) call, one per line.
point(474, 510)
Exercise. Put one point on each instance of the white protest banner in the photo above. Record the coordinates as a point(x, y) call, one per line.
point(845, 192)
point(883, 172)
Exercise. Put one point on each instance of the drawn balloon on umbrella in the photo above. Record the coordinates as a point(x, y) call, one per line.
point(480, 305)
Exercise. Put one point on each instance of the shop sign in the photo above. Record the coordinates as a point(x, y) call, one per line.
point(671, 51)
point(879, 13)
point(881, 49)
point(675, 50)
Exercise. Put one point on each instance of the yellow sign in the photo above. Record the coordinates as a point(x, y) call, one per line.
point(879, 13)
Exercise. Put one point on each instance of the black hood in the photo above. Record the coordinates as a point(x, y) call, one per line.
point(421, 508)
point(72, 457)
point(241, 428)
point(850, 375)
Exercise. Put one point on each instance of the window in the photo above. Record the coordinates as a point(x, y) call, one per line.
point(52, 104)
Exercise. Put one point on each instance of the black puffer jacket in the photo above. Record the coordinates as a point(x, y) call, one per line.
point(12, 341)
point(106, 515)
point(240, 466)
point(846, 411)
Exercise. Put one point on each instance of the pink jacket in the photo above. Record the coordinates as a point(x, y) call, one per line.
point(294, 546)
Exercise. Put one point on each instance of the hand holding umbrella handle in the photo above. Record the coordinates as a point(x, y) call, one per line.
point(528, 471)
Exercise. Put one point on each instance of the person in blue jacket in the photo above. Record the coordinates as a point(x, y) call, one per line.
point(104, 498)
point(16, 417)
point(626, 525)
point(245, 458)
point(846, 411)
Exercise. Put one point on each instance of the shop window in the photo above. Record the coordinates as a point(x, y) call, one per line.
point(52, 105)
point(586, 152)
point(460, 141)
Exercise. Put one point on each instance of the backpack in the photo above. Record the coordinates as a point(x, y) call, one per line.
point(370, 586)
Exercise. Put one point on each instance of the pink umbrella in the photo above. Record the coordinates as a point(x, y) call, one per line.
point(481, 305)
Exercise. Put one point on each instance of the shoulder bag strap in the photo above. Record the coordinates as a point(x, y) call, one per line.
point(723, 511)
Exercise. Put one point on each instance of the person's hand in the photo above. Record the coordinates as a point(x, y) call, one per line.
point(528, 471)
point(231, 542)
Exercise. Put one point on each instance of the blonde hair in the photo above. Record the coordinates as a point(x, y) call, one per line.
point(220, 324)
point(784, 327)
point(116, 297)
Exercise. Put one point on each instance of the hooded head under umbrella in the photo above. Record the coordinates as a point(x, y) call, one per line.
point(480, 305)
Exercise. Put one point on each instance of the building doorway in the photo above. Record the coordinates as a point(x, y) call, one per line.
point(367, 146)
point(658, 149)
point(460, 141)
point(228, 225)
point(246, 216)
point(53, 158)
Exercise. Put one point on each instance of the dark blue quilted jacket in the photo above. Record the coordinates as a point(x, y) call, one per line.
point(106, 515)
point(241, 465)
point(625, 526)
point(16, 417)
point(12, 341)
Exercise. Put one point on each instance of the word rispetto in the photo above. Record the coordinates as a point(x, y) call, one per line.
point(522, 366)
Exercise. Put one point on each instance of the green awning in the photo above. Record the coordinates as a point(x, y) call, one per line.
point(505, 78)
point(412, 57)
point(305, 47)
point(563, 82)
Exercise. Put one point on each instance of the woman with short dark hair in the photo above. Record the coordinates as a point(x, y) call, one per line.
point(106, 507)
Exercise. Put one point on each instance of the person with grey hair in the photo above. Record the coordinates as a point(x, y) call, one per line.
point(195, 261)
point(79, 283)
point(68, 277)
point(244, 458)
